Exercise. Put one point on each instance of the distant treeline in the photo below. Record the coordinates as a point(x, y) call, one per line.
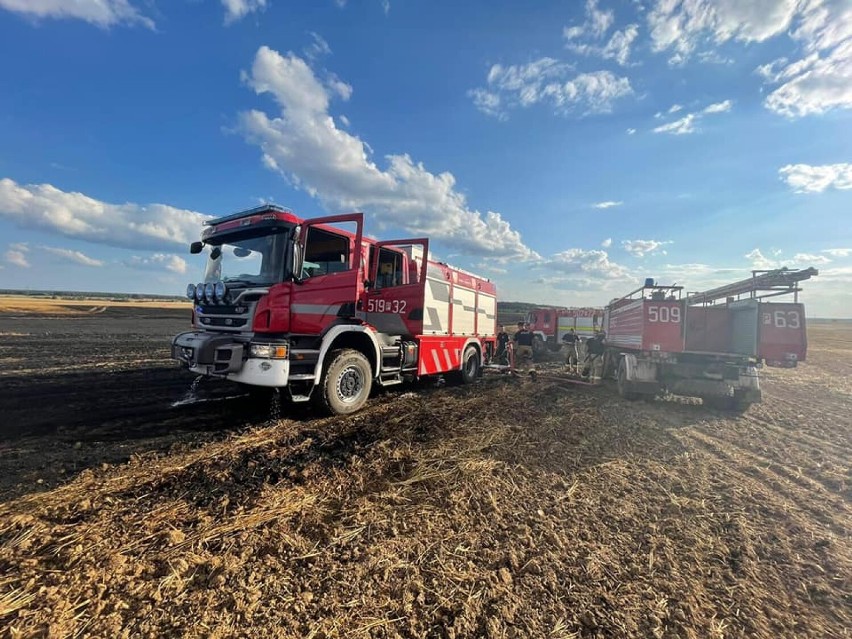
point(112, 297)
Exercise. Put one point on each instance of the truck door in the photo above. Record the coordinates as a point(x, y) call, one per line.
point(329, 273)
point(783, 338)
point(394, 301)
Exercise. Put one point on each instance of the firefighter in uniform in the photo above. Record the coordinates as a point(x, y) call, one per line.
point(502, 356)
point(595, 349)
point(524, 349)
point(571, 341)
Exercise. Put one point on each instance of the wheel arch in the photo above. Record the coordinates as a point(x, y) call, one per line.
point(359, 338)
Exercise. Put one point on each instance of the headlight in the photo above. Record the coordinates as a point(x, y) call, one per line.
point(220, 291)
point(268, 351)
point(199, 292)
point(208, 292)
point(190, 291)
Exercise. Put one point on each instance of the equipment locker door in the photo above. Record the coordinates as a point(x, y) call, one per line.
point(394, 301)
point(330, 277)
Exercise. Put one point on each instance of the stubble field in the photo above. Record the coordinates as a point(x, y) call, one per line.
point(503, 509)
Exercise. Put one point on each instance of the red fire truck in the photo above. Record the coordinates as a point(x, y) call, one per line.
point(708, 344)
point(549, 324)
point(324, 312)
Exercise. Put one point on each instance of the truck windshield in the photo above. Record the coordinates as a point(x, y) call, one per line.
point(256, 259)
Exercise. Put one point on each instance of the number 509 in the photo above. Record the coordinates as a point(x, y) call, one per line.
point(664, 314)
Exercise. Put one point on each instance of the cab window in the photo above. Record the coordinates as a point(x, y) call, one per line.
point(390, 269)
point(325, 253)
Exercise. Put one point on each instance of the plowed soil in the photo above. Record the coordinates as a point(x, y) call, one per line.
point(503, 509)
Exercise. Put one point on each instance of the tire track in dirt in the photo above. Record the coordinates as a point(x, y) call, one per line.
point(808, 457)
point(798, 437)
point(760, 472)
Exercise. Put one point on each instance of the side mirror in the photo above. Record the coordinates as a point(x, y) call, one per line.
point(368, 285)
point(216, 253)
point(196, 247)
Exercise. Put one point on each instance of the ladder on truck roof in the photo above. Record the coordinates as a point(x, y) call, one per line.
point(761, 284)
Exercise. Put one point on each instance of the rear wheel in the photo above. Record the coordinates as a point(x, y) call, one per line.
point(470, 367)
point(624, 385)
point(346, 385)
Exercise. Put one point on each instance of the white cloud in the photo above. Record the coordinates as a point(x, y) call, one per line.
point(317, 48)
point(303, 143)
point(682, 126)
point(75, 257)
point(23, 247)
point(17, 257)
point(74, 215)
point(687, 123)
point(491, 268)
point(617, 48)
point(760, 261)
point(607, 242)
point(102, 13)
point(586, 38)
point(597, 23)
point(488, 102)
point(687, 25)
point(592, 264)
point(340, 87)
point(238, 9)
point(719, 107)
point(818, 82)
point(641, 248)
point(607, 205)
point(838, 252)
point(631, 131)
point(548, 81)
point(805, 178)
point(810, 258)
point(822, 80)
point(158, 262)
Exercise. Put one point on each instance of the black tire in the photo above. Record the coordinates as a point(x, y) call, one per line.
point(346, 382)
point(471, 366)
point(538, 345)
point(623, 385)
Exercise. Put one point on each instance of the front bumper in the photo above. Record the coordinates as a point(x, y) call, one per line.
point(227, 357)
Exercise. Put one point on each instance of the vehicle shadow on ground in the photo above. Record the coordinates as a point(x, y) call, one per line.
point(55, 426)
point(58, 426)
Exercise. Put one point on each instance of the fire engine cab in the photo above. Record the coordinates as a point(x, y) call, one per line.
point(321, 311)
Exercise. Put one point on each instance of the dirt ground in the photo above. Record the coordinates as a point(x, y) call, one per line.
point(502, 509)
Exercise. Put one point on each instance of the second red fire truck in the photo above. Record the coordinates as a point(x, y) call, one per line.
point(550, 324)
point(326, 313)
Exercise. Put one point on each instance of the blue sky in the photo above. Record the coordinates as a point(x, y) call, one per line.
point(567, 150)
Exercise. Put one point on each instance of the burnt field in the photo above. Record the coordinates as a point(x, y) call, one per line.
point(504, 509)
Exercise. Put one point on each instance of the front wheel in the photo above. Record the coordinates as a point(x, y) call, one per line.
point(346, 385)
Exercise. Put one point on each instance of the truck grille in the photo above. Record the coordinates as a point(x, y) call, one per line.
point(225, 318)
